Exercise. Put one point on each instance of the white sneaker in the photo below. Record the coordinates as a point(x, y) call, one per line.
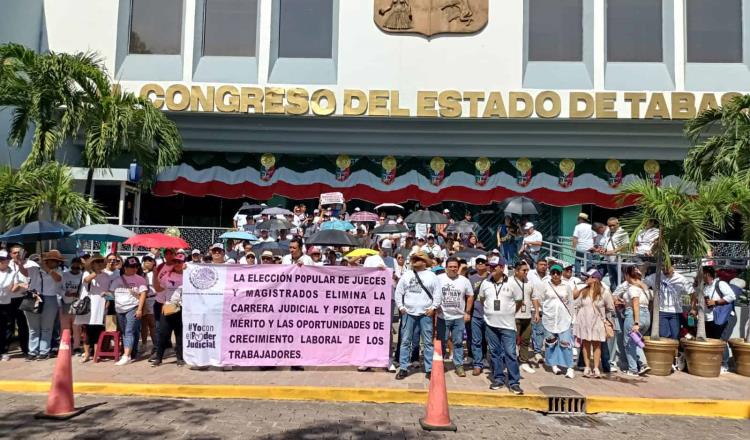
point(555, 369)
point(392, 368)
point(527, 368)
point(123, 361)
point(724, 370)
point(6, 357)
point(362, 369)
point(570, 374)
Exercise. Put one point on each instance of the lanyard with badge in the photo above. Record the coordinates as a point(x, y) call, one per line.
point(498, 288)
point(522, 286)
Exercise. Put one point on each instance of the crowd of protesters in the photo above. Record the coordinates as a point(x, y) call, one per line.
point(513, 310)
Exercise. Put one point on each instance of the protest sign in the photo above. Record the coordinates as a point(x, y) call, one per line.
point(332, 198)
point(277, 315)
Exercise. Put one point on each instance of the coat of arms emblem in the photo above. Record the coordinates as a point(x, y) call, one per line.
point(430, 17)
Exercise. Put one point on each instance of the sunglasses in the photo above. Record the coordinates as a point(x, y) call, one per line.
point(111, 261)
point(555, 272)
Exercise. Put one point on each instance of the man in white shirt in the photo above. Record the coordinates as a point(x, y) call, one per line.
point(458, 297)
point(432, 248)
point(218, 255)
point(583, 242)
point(672, 288)
point(538, 278)
point(616, 240)
point(500, 307)
point(532, 241)
point(521, 286)
point(296, 255)
point(418, 296)
point(265, 237)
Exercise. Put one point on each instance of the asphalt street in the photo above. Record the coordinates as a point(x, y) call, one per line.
point(138, 417)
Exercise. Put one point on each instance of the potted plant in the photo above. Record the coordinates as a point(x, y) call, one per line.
point(685, 214)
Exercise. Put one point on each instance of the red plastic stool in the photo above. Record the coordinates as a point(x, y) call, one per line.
point(115, 339)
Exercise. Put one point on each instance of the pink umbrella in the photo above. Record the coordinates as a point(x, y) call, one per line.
point(363, 216)
point(157, 240)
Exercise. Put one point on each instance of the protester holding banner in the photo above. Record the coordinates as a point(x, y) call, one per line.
point(418, 297)
point(455, 311)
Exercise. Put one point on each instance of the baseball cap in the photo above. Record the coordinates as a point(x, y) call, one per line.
point(4, 255)
point(196, 251)
point(180, 258)
point(420, 239)
point(593, 273)
point(180, 251)
point(528, 225)
point(430, 236)
point(556, 267)
point(131, 262)
point(357, 209)
point(495, 252)
point(217, 246)
point(313, 250)
point(386, 244)
point(480, 258)
point(497, 261)
point(446, 211)
point(266, 254)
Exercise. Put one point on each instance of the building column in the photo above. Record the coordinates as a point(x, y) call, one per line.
point(568, 220)
point(121, 206)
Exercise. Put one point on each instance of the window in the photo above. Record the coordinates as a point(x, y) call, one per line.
point(305, 29)
point(155, 27)
point(229, 28)
point(634, 30)
point(714, 31)
point(555, 30)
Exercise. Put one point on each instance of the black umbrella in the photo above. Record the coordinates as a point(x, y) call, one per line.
point(428, 217)
point(332, 237)
point(470, 253)
point(248, 209)
point(37, 231)
point(521, 206)
point(394, 228)
point(273, 224)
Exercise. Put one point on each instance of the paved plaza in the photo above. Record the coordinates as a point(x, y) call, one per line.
point(133, 418)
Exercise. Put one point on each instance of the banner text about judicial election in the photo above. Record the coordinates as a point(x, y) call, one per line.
point(273, 315)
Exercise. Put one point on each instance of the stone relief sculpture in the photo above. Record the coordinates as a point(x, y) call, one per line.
point(398, 15)
point(430, 17)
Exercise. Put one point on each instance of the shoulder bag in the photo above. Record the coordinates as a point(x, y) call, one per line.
point(32, 300)
point(81, 306)
point(721, 311)
point(609, 328)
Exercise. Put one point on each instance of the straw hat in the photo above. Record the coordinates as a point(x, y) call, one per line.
point(53, 254)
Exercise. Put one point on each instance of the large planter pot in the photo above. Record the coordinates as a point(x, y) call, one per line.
point(660, 355)
point(741, 353)
point(703, 357)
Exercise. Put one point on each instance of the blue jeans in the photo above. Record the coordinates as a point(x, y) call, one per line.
point(477, 337)
point(633, 352)
point(41, 325)
point(456, 329)
point(130, 326)
point(561, 352)
point(502, 344)
point(413, 327)
point(510, 251)
point(614, 280)
point(582, 257)
point(537, 336)
point(617, 344)
point(669, 325)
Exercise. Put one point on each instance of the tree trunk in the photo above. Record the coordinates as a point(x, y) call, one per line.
point(657, 295)
point(89, 183)
point(700, 333)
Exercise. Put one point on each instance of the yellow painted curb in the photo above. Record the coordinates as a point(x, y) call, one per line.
point(735, 409)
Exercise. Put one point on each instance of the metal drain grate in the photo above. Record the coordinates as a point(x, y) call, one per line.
point(566, 405)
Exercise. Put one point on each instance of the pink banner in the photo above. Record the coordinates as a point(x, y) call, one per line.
point(291, 315)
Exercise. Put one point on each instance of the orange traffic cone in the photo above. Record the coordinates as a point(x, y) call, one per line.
point(60, 400)
point(437, 417)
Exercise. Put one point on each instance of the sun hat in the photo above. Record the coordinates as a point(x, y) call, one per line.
point(53, 254)
point(266, 254)
point(528, 225)
point(420, 256)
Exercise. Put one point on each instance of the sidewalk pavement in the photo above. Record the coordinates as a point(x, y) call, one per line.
point(677, 386)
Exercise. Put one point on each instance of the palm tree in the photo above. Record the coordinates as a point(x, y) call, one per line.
point(48, 92)
point(721, 139)
point(122, 124)
point(686, 214)
point(48, 189)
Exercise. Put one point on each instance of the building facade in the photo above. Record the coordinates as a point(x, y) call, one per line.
point(433, 101)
